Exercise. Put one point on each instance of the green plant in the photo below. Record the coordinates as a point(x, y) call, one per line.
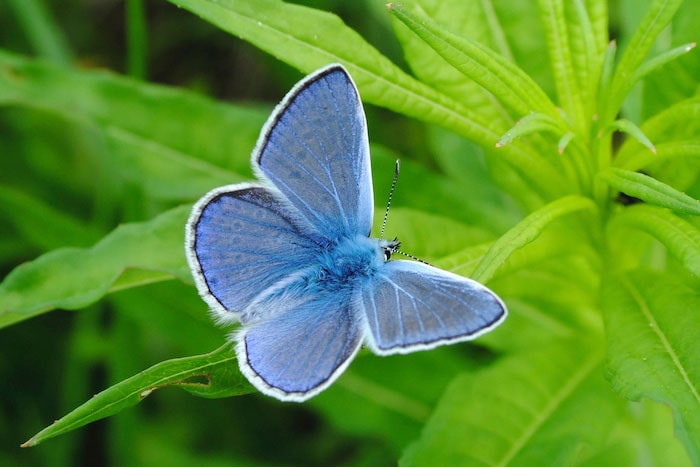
point(521, 185)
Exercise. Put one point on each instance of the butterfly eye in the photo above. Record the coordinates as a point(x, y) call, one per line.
point(390, 247)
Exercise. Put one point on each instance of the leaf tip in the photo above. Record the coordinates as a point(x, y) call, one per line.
point(29, 443)
point(564, 141)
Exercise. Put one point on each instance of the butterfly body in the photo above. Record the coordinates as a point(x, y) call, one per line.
point(349, 262)
point(340, 267)
point(290, 257)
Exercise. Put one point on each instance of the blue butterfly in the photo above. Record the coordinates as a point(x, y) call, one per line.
point(290, 256)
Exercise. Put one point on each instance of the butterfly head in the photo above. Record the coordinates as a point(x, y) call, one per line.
point(389, 247)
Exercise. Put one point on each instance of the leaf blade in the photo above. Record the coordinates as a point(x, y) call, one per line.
point(477, 62)
point(651, 353)
point(650, 190)
point(560, 53)
point(504, 429)
point(72, 278)
point(681, 238)
point(526, 231)
point(308, 39)
point(654, 21)
point(214, 367)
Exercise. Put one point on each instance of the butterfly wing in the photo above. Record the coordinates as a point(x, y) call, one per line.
point(303, 349)
point(314, 149)
point(241, 240)
point(413, 306)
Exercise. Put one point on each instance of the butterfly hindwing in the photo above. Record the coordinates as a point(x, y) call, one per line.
point(314, 149)
point(303, 348)
point(413, 306)
point(241, 240)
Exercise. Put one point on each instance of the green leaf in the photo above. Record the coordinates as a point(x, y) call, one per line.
point(564, 141)
point(665, 152)
point(675, 124)
point(548, 301)
point(678, 79)
point(382, 398)
point(633, 130)
point(657, 62)
point(464, 165)
point(626, 86)
point(479, 206)
point(175, 144)
point(650, 190)
point(652, 332)
point(569, 94)
point(213, 375)
point(554, 283)
point(471, 20)
point(502, 78)
point(681, 238)
point(428, 236)
point(654, 21)
point(309, 39)
point(587, 47)
point(606, 76)
point(164, 173)
point(526, 231)
point(529, 124)
point(73, 278)
point(528, 409)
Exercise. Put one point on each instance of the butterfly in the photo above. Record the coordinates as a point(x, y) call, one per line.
point(290, 256)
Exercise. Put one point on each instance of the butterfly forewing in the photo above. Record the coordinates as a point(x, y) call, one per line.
point(315, 151)
point(242, 240)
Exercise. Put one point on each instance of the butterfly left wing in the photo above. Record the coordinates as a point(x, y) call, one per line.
point(413, 306)
point(303, 348)
point(242, 240)
point(314, 149)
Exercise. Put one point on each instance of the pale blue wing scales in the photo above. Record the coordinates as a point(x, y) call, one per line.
point(241, 240)
point(301, 350)
point(314, 149)
point(413, 306)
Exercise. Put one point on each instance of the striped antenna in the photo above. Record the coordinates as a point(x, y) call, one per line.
point(391, 193)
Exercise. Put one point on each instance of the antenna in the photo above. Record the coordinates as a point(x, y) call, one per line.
point(415, 258)
point(391, 193)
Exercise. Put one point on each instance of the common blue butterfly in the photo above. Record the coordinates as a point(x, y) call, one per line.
point(290, 256)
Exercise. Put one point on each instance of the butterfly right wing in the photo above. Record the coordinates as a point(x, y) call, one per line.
point(242, 240)
point(412, 306)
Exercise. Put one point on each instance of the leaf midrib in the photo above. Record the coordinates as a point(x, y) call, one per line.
point(646, 312)
point(596, 359)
